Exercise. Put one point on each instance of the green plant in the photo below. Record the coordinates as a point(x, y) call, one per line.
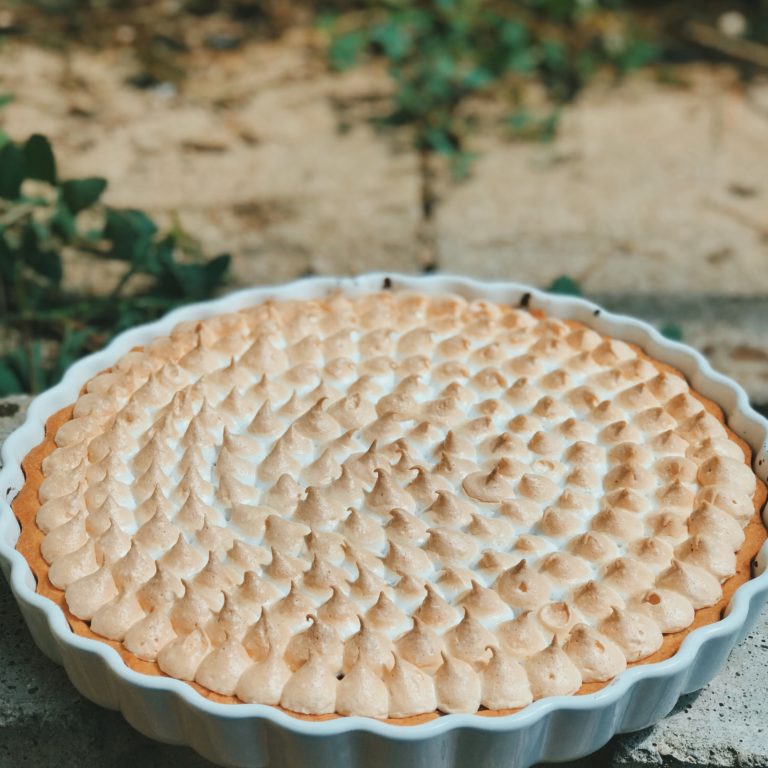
point(672, 331)
point(46, 321)
point(444, 55)
point(440, 53)
point(565, 285)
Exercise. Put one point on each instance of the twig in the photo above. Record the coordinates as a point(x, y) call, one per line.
point(428, 201)
point(427, 194)
point(25, 328)
point(736, 48)
point(16, 214)
point(86, 246)
point(127, 275)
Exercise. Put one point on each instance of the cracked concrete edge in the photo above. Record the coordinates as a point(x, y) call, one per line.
point(725, 725)
point(12, 411)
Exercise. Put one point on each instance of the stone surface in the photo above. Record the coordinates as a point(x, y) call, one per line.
point(247, 156)
point(266, 154)
point(723, 725)
point(12, 410)
point(645, 188)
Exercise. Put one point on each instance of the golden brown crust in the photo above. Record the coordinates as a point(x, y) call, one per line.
point(26, 504)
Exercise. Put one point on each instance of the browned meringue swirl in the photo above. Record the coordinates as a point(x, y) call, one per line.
point(388, 504)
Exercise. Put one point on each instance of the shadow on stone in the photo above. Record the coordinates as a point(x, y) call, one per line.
point(685, 701)
point(44, 721)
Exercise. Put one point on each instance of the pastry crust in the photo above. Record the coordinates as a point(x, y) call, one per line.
point(27, 503)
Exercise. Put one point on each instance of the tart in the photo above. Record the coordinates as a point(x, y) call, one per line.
point(391, 505)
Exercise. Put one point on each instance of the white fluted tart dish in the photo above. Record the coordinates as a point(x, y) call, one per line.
point(387, 505)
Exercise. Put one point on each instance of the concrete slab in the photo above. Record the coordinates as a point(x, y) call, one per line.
point(725, 725)
point(248, 159)
point(12, 410)
point(645, 188)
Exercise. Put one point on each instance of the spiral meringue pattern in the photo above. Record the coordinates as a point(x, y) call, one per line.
point(390, 504)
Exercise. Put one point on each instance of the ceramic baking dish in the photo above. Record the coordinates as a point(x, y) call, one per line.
point(250, 735)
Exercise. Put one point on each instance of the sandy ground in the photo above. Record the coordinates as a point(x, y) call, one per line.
point(647, 187)
point(247, 153)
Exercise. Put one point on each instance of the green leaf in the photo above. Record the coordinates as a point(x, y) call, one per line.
point(216, 269)
point(672, 331)
point(130, 232)
point(72, 346)
point(63, 222)
point(521, 61)
point(345, 50)
point(325, 21)
point(79, 194)
point(193, 281)
point(39, 162)
point(26, 367)
point(566, 285)
point(11, 171)
point(5, 99)
point(393, 39)
point(9, 381)
point(513, 34)
point(438, 140)
point(46, 263)
point(635, 53)
point(554, 54)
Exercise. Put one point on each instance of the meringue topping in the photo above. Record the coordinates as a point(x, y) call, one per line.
point(637, 634)
point(411, 691)
point(504, 682)
point(389, 504)
point(596, 657)
point(552, 673)
point(312, 688)
point(458, 687)
point(362, 692)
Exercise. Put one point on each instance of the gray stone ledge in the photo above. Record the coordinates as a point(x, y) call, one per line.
point(725, 725)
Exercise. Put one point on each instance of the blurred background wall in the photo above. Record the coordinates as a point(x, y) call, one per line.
point(158, 152)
